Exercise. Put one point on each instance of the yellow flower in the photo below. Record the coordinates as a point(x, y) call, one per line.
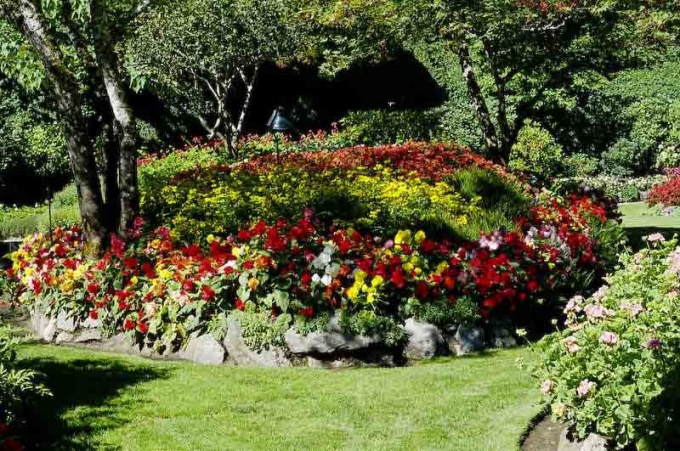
point(443, 266)
point(210, 238)
point(403, 237)
point(359, 276)
point(236, 252)
point(253, 283)
point(408, 267)
point(165, 274)
point(353, 292)
point(133, 281)
point(377, 281)
point(370, 298)
point(420, 236)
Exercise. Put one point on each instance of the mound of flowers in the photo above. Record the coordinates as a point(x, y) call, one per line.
point(614, 369)
point(667, 193)
point(378, 189)
point(159, 291)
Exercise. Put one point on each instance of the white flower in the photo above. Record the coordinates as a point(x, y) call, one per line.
point(326, 280)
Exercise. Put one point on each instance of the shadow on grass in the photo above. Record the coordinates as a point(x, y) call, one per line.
point(636, 234)
point(83, 389)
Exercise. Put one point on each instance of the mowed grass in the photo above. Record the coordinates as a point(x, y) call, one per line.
point(105, 401)
point(639, 220)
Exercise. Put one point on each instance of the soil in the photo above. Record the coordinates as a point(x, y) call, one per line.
point(545, 436)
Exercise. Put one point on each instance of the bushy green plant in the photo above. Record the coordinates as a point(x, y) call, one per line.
point(624, 159)
point(378, 127)
point(260, 331)
point(367, 322)
point(502, 201)
point(580, 165)
point(536, 153)
point(463, 311)
point(18, 387)
point(614, 369)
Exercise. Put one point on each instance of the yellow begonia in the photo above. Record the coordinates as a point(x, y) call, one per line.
point(210, 238)
point(420, 237)
point(377, 281)
point(403, 237)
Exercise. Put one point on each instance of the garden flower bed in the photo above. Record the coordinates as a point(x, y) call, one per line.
point(613, 370)
point(317, 288)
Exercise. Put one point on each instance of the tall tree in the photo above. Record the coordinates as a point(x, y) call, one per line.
point(71, 44)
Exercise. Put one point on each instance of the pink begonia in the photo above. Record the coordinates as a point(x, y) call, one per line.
point(597, 311)
point(585, 388)
point(547, 386)
point(571, 344)
point(574, 304)
point(609, 338)
point(674, 262)
point(633, 309)
point(654, 237)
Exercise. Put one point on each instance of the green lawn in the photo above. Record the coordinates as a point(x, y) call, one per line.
point(640, 220)
point(105, 401)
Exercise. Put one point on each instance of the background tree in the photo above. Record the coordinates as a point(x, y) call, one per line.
point(205, 55)
point(67, 50)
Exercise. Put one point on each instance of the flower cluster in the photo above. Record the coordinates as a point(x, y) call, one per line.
point(613, 370)
point(667, 193)
point(152, 287)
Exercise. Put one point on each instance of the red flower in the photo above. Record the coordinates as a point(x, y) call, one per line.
point(207, 293)
point(306, 279)
point(188, 285)
point(533, 285)
point(243, 235)
point(398, 278)
point(143, 327)
point(93, 288)
point(94, 314)
point(307, 312)
point(129, 324)
point(422, 290)
point(239, 304)
point(11, 445)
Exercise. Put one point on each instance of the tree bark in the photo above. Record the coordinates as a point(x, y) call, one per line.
point(112, 192)
point(250, 86)
point(30, 21)
point(479, 103)
point(122, 111)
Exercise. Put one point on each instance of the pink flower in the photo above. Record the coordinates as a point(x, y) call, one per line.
point(571, 344)
point(654, 237)
point(609, 338)
point(653, 344)
point(585, 388)
point(574, 304)
point(596, 311)
point(547, 386)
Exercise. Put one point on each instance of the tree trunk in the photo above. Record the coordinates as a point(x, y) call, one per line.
point(112, 193)
point(479, 103)
point(122, 111)
point(65, 88)
point(250, 86)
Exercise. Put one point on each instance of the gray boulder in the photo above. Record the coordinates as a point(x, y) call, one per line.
point(204, 350)
point(241, 355)
point(466, 340)
point(49, 329)
point(592, 442)
point(88, 336)
point(64, 337)
point(500, 337)
point(66, 323)
point(330, 342)
point(424, 340)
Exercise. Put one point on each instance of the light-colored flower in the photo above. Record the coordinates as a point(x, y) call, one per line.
point(655, 237)
point(572, 344)
point(547, 387)
point(609, 338)
point(585, 388)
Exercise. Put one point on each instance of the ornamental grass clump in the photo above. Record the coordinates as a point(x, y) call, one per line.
point(615, 368)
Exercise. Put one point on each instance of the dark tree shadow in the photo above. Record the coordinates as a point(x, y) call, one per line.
point(636, 234)
point(90, 383)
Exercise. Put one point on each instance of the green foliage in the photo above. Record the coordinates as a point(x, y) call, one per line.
point(536, 153)
point(614, 369)
point(367, 322)
point(463, 311)
point(260, 331)
point(502, 201)
point(580, 165)
point(389, 127)
point(18, 387)
point(626, 158)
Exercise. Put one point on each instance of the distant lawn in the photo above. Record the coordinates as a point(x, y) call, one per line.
point(103, 401)
point(640, 220)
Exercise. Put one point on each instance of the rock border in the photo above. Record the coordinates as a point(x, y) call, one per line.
point(330, 349)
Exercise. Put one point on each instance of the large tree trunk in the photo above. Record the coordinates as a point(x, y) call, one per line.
point(479, 103)
point(112, 155)
point(65, 88)
point(122, 112)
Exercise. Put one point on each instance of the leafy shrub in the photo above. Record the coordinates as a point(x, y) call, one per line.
point(624, 159)
point(629, 193)
point(501, 201)
point(260, 331)
point(614, 369)
point(536, 153)
point(378, 127)
point(623, 189)
point(580, 165)
point(18, 389)
point(666, 193)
